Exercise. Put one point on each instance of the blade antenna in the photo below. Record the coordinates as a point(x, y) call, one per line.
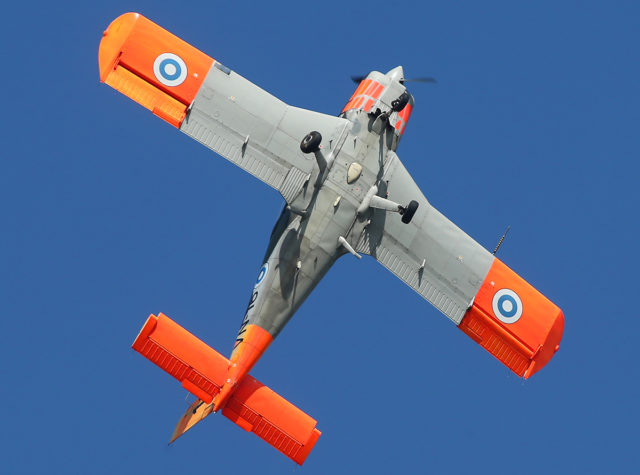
point(501, 239)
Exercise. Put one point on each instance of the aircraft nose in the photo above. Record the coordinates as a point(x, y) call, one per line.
point(396, 73)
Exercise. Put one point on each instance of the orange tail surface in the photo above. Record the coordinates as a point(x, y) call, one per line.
point(202, 372)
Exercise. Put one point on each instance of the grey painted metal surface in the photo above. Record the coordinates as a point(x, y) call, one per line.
point(256, 131)
point(328, 213)
point(431, 254)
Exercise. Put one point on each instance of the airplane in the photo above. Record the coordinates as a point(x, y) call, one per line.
point(345, 192)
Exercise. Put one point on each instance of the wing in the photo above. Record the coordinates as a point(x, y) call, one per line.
point(212, 104)
point(486, 299)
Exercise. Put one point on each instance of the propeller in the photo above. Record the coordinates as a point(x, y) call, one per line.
point(426, 79)
point(422, 79)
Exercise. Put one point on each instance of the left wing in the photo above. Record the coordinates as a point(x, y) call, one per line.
point(212, 104)
point(487, 300)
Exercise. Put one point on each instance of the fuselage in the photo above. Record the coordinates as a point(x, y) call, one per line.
point(305, 241)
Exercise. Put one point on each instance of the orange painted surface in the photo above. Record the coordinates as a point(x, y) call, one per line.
point(370, 87)
point(252, 406)
point(357, 103)
point(368, 90)
point(526, 344)
point(368, 105)
point(377, 90)
point(404, 115)
point(136, 88)
point(183, 356)
point(133, 43)
point(361, 87)
point(255, 340)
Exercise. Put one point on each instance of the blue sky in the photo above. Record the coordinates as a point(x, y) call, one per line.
point(109, 214)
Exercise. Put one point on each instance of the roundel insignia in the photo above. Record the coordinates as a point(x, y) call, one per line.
point(262, 274)
point(507, 306)
point(170, 69)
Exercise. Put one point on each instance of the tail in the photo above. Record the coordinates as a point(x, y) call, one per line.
point(202, 371)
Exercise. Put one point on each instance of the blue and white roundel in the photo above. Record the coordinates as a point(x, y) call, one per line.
point(262, 274)
point(507, 306)
point(170, 69)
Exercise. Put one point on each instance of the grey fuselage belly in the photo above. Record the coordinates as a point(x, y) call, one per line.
point(305, 242)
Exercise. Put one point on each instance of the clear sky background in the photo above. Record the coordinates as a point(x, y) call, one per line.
point(110, 214)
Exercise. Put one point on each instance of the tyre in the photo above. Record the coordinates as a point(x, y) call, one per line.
point(398, 104)
point(311, 142)
point(409, 211)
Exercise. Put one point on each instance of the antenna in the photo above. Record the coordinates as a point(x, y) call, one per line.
point(501, 239)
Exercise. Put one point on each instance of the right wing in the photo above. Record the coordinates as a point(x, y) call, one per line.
point(431, 254)
point(487, 300)
point(212, 104)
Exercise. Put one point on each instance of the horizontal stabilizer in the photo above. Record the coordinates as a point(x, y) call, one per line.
point(202, 370)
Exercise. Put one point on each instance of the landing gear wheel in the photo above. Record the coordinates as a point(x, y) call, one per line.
point(398, 104)
point(311, 142)
point(409, 211)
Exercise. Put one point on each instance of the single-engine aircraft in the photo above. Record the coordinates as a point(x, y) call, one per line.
point(346, 192)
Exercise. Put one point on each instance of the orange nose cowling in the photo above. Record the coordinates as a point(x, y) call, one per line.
point(129, 59)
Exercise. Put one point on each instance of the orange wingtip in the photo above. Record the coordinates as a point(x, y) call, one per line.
point(514, 322)
point(152, 66)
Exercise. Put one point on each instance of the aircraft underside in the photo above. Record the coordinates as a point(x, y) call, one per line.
point(346, 191)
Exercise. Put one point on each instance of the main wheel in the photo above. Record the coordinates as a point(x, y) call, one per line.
point(409, 211)
point(311, 142)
